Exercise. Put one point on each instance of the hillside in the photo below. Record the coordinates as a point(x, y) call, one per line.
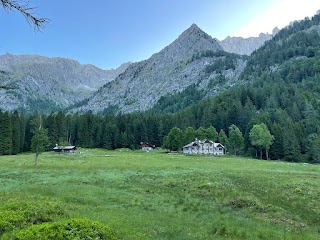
point(291, 55)
point(193, 58)
point(32, 82)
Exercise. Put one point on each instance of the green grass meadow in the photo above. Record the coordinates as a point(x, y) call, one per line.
point(154, 195)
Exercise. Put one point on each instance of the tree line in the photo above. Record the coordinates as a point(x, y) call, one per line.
point(37, 132)
point(239, 125)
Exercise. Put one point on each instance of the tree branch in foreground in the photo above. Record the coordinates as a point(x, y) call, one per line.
point(26, 11)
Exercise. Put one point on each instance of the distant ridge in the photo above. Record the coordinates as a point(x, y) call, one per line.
point(245, 46)
point(33, 82)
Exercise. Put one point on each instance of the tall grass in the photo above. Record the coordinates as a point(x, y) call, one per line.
point(153, 195)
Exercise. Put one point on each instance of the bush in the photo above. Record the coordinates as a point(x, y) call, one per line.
point(10, 220)
point(38, 211)
point(67, 229)
point(17, 214)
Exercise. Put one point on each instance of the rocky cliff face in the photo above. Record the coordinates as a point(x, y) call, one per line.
point(29, 82)
point(182, 63)
point(245, 46)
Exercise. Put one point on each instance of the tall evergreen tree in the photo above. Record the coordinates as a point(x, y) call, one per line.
point(5, 133)
point(16, 133)
point(107, 136)
point(86, 130)
point(291, 146)
point(311, 119)
point(52, 126)
point(276, 149)
point(23, 123)
point(223, 139)
point(315, 149)
point(60, 124)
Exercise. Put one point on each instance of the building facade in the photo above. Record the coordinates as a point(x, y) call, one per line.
point(204, 147)
point(146, 146)
point(64, 149)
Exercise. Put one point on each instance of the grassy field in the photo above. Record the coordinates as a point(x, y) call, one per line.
point(154, 195)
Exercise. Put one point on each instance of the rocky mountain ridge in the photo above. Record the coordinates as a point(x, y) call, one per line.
point(30, 82)
point(184, 62)
point(33, 82)
point(245, 46)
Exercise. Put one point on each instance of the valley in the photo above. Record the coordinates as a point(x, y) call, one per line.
point(254, 100)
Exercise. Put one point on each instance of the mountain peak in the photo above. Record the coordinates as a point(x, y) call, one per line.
point(194, 26)
point(194, 33)
point(193, 29)
point(192, 40)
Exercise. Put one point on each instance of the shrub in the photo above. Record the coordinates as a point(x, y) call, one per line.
point(67, 229)
point(17, 214)
point(35, 211)
point(9, 220)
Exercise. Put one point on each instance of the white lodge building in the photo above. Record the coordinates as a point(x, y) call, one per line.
point(204, 147)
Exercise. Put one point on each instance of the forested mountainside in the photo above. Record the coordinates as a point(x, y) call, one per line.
point(291, 55)
point(245, 46)
point(282, 91)
point(280, 87)
point(32, 82)
point(193, 58)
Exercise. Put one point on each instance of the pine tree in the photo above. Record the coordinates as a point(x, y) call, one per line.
point(107, 136)
point(223, 139)
point(51, 124)
point(315, 149)
point(86, 130)
point(139, 131)
point(16, 133)
point(23, 123)
point(60, 122)
point(276, 149)
point(5, 133)
point(98, 135)
point(291, 146)
point(28, 134)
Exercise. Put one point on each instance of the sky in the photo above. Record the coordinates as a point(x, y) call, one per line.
point(107, 33)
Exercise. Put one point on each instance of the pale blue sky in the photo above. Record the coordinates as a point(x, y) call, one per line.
point(107, 33)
